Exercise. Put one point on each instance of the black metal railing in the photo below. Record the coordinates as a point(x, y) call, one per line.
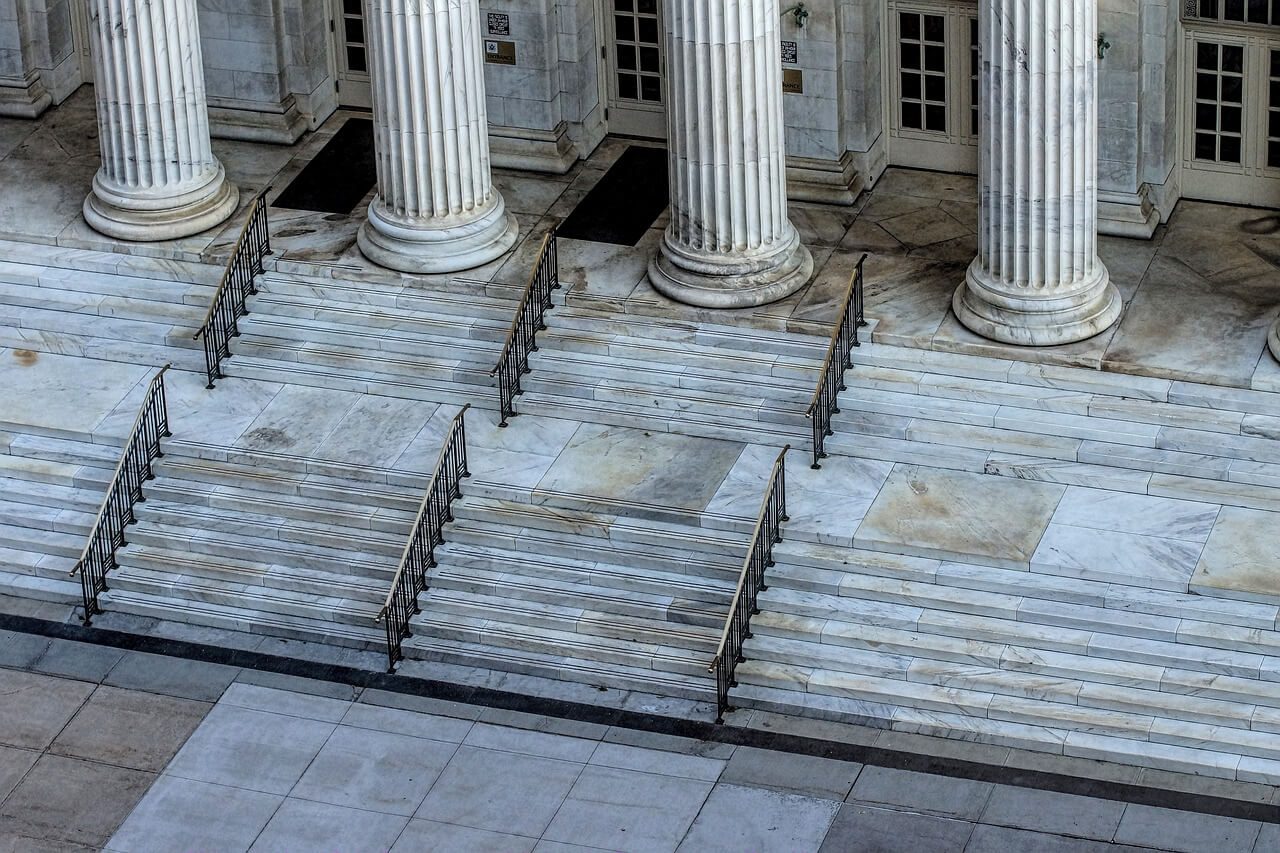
point(737, 627)
point(843, 339)
point(222, 322)
point(419, 555)
point(529, 320)
point(107, 535)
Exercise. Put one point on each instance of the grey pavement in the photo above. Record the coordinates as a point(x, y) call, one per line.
point(131, 752)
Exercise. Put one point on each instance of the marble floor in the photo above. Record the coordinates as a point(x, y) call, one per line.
point(1199, 297)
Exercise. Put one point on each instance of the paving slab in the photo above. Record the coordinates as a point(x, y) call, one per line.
point(186, 679)
point(809, 775)
point(422, 835)
point(738, 818)
point(213, 817)
point(376, 771)
point(130, 728)
point(934, 513)
point(253, 749)
point(35, 708)
point(962, 799)
point(500, 791)
point(72, 800)
point(626, 810)
point(1187, 832)
point(867, 829)
point(301, 825)
point(1239, 559)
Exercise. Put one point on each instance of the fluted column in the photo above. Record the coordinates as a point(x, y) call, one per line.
point(1037, 279)
point(159, 179)
point(730, 243)
point(437, 210)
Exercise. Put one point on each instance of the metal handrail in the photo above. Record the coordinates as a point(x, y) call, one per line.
point(844, 337)
point(529, 320)
point(428, 532)
point(222, 320)
point(737, 626)
point(116, 512)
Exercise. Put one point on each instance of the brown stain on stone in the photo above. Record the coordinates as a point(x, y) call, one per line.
point(25, 357)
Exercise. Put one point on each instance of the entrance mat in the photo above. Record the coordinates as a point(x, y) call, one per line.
point(626, 202)
point(339, 176)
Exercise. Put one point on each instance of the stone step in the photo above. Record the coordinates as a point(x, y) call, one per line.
point(310, 290)
point(133, 307)
point(330, 513)
point(232, 618)
point(110, 263)
point(640, 416)
point(558, 666)
point(683, 587)
point(705, 336)
point(247, 367)
point(363, 362)
point(177, 291)
point(389, 319)
point(587, 527)
point(56, 543)
point(446, 615)
point(254, 597)
point(560, 586)
point(311, 486)
point(301, 554)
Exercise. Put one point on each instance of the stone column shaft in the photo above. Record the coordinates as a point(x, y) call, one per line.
point(159, 179)
point(1037, 279)
point(730, 243)
point(437, 209)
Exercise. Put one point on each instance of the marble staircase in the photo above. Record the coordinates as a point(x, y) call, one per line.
point(706, 380)
point(102, 305)
point(1066, 425)
point(1064, 665)
point(52, 484)
point(434, 343)
point(583, 590)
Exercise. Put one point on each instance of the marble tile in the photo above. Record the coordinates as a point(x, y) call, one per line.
point(376, 431)
point(635, 465)
point(63, 392)
point(934, 513)
point(1140, 514)
point(1105, 555)
point(1240, 558)
point(297, 420)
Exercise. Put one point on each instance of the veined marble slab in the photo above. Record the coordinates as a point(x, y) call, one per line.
point(1139, 514)
point(951, 514)
point(1242, 557)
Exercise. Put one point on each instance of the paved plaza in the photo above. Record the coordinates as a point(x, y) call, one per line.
point(104, 748)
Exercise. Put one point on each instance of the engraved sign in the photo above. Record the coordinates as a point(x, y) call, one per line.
point(499, 24)
point(790, 53)
point(499, 52)
point(792, 81)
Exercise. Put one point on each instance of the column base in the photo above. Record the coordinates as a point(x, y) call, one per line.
point(717, 280)
point(1091, 308)
point(1273, 340)
point(131, 215)
point(439, 244)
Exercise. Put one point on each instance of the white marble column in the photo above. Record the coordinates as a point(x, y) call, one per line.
point(159, 179)
point(1037, 279)
point(437, 210)
point(730, 243)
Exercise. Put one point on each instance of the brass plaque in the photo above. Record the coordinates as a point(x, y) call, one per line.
point(500, 52)
point(793, 81)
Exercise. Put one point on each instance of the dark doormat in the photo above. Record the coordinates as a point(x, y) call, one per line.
point(339, 176)
point(626, 202)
